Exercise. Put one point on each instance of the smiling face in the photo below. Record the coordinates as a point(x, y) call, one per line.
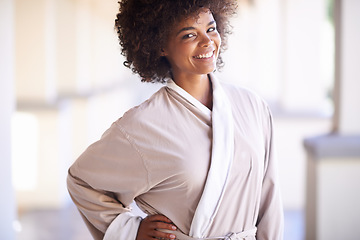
point(193, 46)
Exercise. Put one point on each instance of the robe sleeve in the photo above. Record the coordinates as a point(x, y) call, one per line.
point(270, 220)
point(104, 181)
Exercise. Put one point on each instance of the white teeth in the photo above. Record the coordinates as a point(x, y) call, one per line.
point(207, 55)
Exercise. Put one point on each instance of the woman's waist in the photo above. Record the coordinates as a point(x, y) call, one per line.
point(248, 234)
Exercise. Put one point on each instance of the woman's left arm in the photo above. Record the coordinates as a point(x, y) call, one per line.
point(270, 221)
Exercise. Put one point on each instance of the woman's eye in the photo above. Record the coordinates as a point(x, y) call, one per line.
point(190, 35)
point(212, 29)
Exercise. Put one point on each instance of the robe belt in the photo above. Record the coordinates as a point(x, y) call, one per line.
point(231, 236)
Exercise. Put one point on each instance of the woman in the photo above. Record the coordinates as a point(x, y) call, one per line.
point(197, 157)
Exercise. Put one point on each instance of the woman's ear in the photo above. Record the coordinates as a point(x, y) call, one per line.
point(163, 53)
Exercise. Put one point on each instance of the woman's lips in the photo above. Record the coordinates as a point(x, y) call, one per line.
point(205, 55)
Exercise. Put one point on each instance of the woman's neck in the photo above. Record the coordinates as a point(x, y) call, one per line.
point(199, 87)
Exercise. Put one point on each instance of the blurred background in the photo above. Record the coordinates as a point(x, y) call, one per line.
point(63, 83)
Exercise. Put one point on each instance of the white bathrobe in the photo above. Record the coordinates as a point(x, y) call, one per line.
point(210, 172)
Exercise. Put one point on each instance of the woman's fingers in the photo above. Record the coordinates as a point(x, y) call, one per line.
point(160, 222)
point(158, 234)
point(151, 226)
point(159, 218)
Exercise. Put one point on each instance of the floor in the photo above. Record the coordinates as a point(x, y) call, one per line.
point(52, 225)
point(67, 224)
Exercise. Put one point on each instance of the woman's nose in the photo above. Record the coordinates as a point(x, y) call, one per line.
point(206, 41)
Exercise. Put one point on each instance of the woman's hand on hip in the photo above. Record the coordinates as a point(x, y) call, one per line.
point(149, 228)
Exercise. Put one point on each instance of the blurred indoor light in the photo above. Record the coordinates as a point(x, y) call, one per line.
point(24, 150)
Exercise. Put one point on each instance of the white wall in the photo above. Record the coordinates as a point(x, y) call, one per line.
point(289, 135)
point(338, 214)
point(347, 116)
point(7, 104)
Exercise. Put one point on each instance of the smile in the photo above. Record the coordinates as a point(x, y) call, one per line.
point(206, 55)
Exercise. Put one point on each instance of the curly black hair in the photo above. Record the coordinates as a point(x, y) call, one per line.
point(143, 27)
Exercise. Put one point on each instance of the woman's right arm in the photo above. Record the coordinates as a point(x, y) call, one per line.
point(105, 180)
point(124, 225)
point(99, 210)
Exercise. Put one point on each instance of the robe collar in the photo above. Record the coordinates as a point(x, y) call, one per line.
point(221, 156)
point(172, 85)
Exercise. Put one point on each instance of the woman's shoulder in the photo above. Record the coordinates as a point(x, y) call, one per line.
point(144, 112)
point(239, 94)
point(247, 104)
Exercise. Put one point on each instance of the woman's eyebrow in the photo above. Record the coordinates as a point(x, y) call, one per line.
point(192, 28)
point(184, 29)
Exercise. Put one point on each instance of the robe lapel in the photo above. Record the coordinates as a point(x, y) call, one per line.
point(171, 84)
point(221, 157)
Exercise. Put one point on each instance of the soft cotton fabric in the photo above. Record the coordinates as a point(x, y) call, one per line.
point(159, 154)
point(221, 156)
